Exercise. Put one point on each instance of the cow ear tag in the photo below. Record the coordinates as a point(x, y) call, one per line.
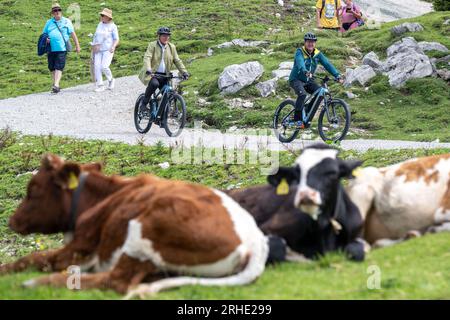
point(283, 188)
point(357, 172)
point(73, 181)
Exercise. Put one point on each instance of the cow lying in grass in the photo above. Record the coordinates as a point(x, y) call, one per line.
point(130, 231)
point(402, 200)
point(307, 206)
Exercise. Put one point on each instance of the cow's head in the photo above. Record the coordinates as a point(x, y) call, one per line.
point(46, 206)
point(317, 172)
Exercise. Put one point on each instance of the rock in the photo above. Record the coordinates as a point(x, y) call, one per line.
point(210, 52)
point(277, 15)
point(286, 65)
point(242, 43)
point(238, 76)
point(428, 46)
point(164, 165)
point(405, 65)
point(406, 27)
point(443, 59)
point(281, 74)
point(350, 95)
point(239, 103)
point(280, 3)
point(247, 104)
point(361, 75)
point(446, 22)
point(406, 44)
point(444, 74)
point(371, 59)
point(202, 102)
point(267, 88)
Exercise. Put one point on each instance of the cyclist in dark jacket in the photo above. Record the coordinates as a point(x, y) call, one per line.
point(306, 61)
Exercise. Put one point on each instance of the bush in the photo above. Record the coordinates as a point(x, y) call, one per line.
point(441, 5)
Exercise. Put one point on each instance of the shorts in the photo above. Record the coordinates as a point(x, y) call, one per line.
point(56, 60)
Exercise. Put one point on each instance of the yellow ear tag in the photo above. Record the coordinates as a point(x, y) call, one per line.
point(73, 181)
point(357, 172)
point(283, 188)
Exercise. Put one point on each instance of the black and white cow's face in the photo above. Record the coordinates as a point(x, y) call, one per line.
point(317, 173)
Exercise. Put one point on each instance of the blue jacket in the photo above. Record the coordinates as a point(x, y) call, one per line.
point(308, 63)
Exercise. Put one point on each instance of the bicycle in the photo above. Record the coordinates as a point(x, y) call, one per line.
point(166, 108)
point(334, 111)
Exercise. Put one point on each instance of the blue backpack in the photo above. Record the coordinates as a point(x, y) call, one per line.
point(43, 47)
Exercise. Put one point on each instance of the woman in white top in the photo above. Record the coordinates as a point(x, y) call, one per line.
point(105, 41)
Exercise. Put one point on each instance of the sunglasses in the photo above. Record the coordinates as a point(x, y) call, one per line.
point(56, 10)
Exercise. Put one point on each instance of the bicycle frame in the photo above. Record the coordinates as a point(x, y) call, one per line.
point(321, 92)
point(165, 91)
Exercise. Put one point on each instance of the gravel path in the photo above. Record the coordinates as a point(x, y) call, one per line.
point(80, 112)
point(389, 10)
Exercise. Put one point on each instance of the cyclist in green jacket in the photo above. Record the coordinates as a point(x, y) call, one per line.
point(306, 61)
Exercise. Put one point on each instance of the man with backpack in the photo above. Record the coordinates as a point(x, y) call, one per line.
point(59, 30)
point(327, 14)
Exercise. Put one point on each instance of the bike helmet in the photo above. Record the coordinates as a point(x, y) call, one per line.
point(310, 36)
point(164, 30)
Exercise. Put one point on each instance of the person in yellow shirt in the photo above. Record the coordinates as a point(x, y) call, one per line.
point(327, 14)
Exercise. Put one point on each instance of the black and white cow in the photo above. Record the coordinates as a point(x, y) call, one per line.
point(315, 182)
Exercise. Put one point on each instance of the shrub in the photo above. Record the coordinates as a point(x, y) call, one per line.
point(441, 5)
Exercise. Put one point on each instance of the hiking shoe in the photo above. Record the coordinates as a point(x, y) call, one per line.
point(99, 88)
point(111, 84)
point(55, 90)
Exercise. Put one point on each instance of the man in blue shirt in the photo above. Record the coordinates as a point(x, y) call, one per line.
point(59, 30)
point(306, 61)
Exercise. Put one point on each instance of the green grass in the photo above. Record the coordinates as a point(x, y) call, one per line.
point(417, 112)
point(415, 269)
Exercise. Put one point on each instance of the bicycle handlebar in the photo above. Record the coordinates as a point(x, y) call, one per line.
point(164, 76)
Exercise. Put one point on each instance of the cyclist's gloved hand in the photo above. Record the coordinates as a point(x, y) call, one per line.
point(339, 79)
point(185, 75)
point(148, 72)
point(309, 75)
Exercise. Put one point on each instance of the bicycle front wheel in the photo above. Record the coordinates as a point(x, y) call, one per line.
point(174, 118)
point(142, 118)
point(283, 122)
point(334, 121)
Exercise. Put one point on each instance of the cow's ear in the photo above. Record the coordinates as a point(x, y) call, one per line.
point(346, 167)
point(289, 174)
point(93, 167)
point(51, 162)
point(67, 177)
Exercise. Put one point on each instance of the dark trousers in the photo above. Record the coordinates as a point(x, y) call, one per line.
point(155, 83)
point(301, 88)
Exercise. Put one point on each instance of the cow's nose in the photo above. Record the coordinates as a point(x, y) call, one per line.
point(307, 197)
point(307, 201)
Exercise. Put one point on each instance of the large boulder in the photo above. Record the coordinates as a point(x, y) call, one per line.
point(407, 65)
point(267, 88)
point(371, 59)
point(429, 46)
point(238, 76)
point(406, 60)
point(242, 43)
point(286, 65)
point(281, 74)
point(406, 27)
point(404, 45)
point(362, 75)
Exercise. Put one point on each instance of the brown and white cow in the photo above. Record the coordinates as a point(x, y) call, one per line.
point(134, 230)
point(404, 198)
